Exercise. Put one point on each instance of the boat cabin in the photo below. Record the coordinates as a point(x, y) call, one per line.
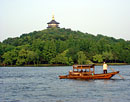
point(83, 69)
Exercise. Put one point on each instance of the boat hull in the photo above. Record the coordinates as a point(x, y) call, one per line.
point(95, 76)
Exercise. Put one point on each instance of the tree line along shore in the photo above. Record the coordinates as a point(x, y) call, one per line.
point(60, 46)
point(53, 65)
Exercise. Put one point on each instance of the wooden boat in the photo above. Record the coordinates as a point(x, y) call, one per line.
point(86, 72)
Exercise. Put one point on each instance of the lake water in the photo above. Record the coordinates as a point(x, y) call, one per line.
point(41, 84)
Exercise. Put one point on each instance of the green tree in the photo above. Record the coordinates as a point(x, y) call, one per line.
point(49, 51)
point(62, 59)
point(38, 56)
point(31, 57)
point(81, 57)
point(98, 58)
point(89, 62)
point(107, 56)
point(22, 57)
point(73, 53)
point(10, 57)
point(38, 44)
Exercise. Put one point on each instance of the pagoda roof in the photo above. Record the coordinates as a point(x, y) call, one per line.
point(53, 22)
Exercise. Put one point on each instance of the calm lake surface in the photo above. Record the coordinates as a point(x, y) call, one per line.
point(41, 84)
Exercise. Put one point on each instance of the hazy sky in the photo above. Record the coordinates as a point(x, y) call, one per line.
point(107, 17)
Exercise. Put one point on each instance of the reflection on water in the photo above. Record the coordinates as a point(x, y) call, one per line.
point(41, 84)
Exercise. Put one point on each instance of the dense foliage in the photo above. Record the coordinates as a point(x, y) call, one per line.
point(63, 46)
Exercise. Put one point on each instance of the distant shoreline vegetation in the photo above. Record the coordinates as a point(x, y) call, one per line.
point(60, 46)
point(53, 65)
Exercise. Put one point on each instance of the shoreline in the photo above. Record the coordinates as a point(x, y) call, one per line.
point(54, 65)
point(97, 64)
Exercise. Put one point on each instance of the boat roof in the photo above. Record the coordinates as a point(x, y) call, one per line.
point(83, 66)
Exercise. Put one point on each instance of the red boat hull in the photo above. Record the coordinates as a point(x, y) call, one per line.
point(94, 76)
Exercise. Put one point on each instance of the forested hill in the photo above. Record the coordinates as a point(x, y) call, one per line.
point(63, 46)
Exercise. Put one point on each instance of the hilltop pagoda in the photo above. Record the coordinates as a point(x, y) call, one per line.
point(53, 23)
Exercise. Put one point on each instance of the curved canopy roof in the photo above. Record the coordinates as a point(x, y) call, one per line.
point(53, 22)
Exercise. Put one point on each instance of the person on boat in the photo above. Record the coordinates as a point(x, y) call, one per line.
point(105, 68)
point(70, 72)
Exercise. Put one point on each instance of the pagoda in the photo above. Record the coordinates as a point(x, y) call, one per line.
point(53, 23)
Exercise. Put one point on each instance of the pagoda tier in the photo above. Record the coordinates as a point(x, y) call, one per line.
point(53, 23)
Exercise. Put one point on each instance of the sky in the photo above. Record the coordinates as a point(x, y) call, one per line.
point(107, 17)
